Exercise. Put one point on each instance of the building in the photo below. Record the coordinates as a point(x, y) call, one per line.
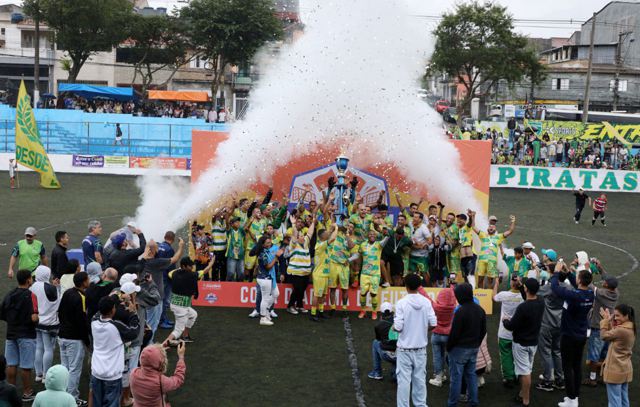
point(615, 81)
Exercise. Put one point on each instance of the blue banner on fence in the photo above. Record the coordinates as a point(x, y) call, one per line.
point(188, 163)
point(88, 160)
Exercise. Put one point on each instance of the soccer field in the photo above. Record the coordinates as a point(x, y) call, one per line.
point(236, 362)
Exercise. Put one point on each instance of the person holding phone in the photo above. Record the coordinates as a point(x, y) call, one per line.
point(149, 384)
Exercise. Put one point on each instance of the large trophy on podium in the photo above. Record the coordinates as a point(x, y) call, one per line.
point(342, 193)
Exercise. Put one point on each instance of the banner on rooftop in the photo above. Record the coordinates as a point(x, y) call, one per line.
point(29, 149)
point(558, 178)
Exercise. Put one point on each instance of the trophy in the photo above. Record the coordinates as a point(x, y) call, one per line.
point(342, 195)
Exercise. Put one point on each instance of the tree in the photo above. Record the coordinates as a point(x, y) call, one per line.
point(477, 46)
point(85, 27)
point(155, 43)
point(229, 32)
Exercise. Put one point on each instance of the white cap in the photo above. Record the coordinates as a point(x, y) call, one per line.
point(132, 224)
point(130, 288)
point(31, 231)
point(528, 245)
point(127, 278)
point(386, 307)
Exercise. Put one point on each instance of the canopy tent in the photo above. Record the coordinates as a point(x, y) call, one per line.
point(100, 92)
point(183, 96)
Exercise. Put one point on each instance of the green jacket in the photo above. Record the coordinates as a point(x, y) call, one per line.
point(55, 394)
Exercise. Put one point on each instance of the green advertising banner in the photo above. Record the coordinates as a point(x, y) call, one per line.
point(558, 178)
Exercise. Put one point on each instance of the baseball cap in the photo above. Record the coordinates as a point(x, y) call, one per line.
point(528, 245)
point(386, 307)
point(493, 218)
point(132, 224)
point(130, 288)
point(31, 231)
point(118, 239)
point(127, 278)
point(612, 282)
point(551, 254)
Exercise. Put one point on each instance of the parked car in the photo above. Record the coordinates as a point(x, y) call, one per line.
point(442, 105)
point(450, 115)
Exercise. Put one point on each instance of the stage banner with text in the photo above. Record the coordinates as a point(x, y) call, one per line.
point(116, 161)
point(95, 161)
point(158, 162)
point(229, 294)
point(557, 178)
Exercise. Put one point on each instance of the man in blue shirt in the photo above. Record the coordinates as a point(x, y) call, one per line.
point(91, 245)
point(165, 251)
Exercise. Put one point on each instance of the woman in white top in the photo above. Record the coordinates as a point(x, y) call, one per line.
point(47, 330)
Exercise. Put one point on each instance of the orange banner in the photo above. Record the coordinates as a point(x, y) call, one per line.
point(158, 162)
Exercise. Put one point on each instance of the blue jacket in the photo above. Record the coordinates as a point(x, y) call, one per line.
point(578, 303)
point(264, 259)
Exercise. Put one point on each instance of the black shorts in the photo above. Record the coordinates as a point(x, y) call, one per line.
point(598, 214)
point(396, 267)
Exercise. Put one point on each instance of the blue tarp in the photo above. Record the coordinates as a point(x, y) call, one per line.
point(93, 91)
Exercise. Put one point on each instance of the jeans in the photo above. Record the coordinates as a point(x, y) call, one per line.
point(219, 271)
point(164, 317)
point(130, 362)
point(462, 362)
point(618, 395)
point(20, 352)
point(269, 295)
point(411, 371)
point(571, 351)
point(71, 357)
point(438, 348)
point(235, 269)
point(106, 393)
point(45, 345)
point(578, 213)
point(379, 355)
point(259, 299)
point(153, 318)
point(549, 346)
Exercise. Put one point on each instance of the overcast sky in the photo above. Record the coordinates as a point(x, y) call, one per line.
point(521, 9)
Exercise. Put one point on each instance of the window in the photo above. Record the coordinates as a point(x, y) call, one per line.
point(28, 38)
point(198, 63)
point(559, 84)
point(2, 31)
point(622, 85)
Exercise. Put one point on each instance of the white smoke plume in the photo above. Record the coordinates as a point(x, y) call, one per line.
point(350, 79)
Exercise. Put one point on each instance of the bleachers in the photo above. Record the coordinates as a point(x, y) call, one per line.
point(76, 132)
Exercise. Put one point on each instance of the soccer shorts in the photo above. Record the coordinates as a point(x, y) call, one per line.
point(369, 284)
point(249, 261)
point(453, 264)
point(320, 285)
point(338, 275)
point(418, 264)
point(487, 268)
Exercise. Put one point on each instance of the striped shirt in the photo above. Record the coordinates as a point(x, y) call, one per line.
point(489, 245)
point(219, 233)
point(371, 253)
point(600, 204)
point(300, 260)
point(339, 252)
point(321, 259)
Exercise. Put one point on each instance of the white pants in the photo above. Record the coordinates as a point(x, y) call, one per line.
point(185, 318)
point(269, 295)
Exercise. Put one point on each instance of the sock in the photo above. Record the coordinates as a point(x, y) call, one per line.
point(592, 376)
point(374, 302)
point(321, 307)
point(363, 300)
point(333, 307)
point(313, 310)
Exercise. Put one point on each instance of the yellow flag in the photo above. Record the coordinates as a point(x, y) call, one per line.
point(29, 149)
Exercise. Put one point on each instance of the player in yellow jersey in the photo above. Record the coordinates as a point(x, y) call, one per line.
point(339, 268)
point(320, 273)
point(465, 240)
point(371, 251)
point(254, 228)
point(490, 242)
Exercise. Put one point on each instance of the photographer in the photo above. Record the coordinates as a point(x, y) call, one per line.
point(149, 385)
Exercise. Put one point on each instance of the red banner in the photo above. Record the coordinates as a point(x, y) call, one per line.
point(228, 294)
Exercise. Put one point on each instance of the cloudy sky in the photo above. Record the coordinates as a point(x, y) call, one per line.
point(545, 10)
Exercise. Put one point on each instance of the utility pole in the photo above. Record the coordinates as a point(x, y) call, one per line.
point(36, 55)
point(616, 82)
point(587, 90)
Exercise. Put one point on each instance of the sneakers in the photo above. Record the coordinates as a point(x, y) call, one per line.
point(463, 398)
point(28, 397)
point(265, 321)
point(480, 381)
point(362, 314)
point(385, 285)
point(292, 311)
point(568, 402)
point(187, 339)
point(545, 386)
point(273, 314)
point(81, 403)
point(254, 314)
point(437, 380)
point(302, 311)
point(374, 375)
point(374, 315)
point(165, 325)
point(39, 379)
point(559, 384)
point(314, 318)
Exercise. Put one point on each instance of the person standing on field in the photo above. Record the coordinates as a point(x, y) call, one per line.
point(599, 208)
point(581, 200)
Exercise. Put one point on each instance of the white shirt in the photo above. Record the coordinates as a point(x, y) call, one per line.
point(420, 236)
point(510, 301)
point(414, 315)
